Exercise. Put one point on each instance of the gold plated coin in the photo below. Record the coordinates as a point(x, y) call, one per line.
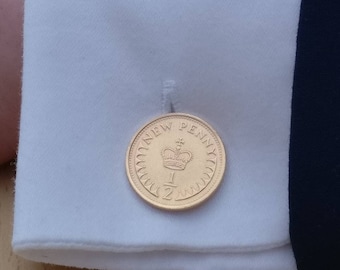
point(175, 161)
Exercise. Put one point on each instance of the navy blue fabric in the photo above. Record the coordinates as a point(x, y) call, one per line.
point(315, 138)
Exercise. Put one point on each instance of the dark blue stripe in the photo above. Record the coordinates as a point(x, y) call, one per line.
point(315, 138)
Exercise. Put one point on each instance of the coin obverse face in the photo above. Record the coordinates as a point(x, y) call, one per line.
point(175, 161)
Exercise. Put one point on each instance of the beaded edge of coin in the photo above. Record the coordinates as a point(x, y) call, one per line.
point(133, 176)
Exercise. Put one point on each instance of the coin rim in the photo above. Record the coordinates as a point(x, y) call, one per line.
point(195, 203)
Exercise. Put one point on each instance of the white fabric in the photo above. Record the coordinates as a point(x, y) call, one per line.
point(94, 72)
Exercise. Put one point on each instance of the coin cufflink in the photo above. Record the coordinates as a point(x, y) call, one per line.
point(175, 161)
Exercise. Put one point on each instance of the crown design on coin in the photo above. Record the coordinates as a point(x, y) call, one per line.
point(176, 159)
